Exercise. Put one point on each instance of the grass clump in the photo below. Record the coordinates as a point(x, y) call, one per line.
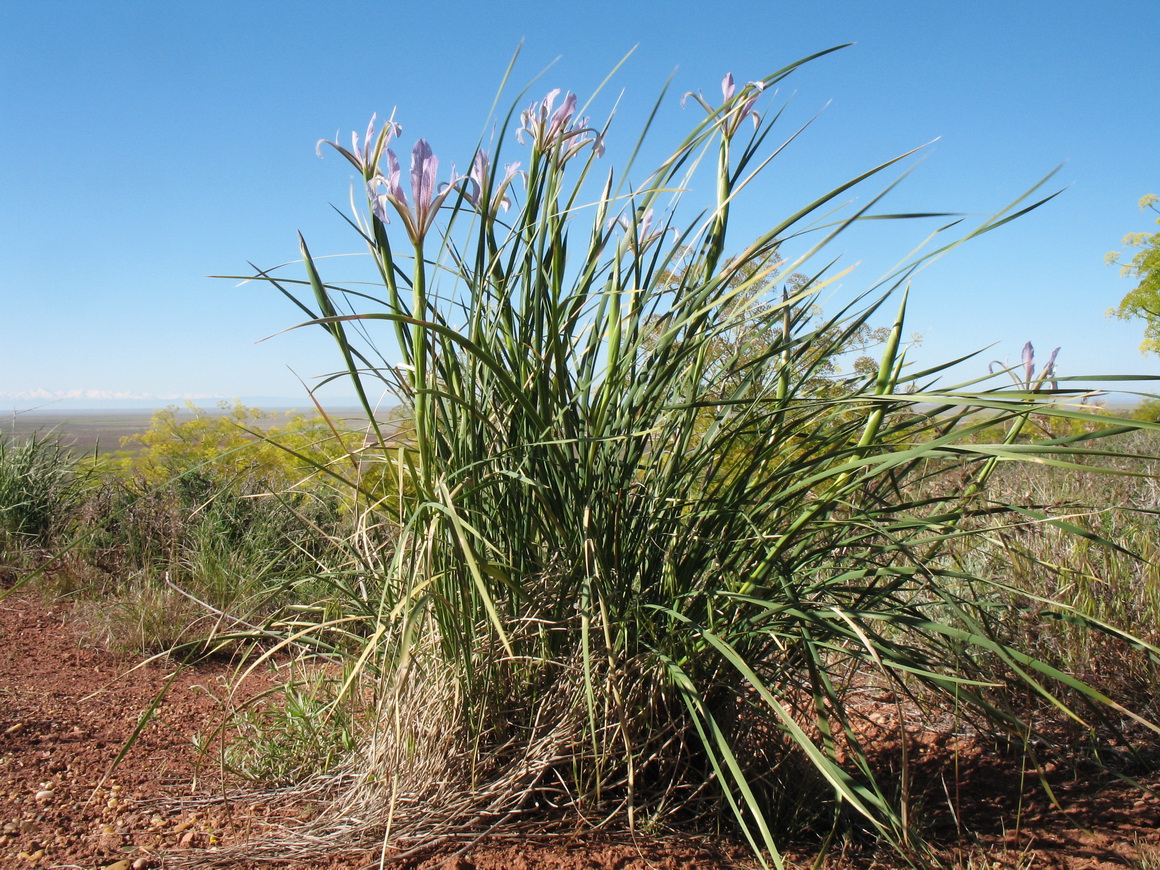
point(649, 536)
point(41, 483)
point(1086, 539)
point(303, 727)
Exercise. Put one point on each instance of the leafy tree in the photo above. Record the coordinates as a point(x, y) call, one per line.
point(1144, 301)
point(748, 333)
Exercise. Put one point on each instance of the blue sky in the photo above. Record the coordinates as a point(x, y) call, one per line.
point(149, 145)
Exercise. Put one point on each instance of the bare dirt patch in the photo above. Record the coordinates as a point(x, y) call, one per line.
point(66, 710)
point(65, 713)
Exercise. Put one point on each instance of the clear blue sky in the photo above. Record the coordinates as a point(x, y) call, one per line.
point(149, 145)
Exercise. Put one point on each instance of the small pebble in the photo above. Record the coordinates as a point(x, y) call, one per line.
point(45, 794)
point(186, 824)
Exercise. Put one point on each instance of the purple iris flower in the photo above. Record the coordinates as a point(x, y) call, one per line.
point(732, 115)
point(477, 190)
point(640, 236)
point(1028, 363)
point(366, 157)
point(1048, 375)
point(427, 195)
point(552, 130)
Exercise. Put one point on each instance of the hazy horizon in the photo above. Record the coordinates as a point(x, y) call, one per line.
point(64, 407)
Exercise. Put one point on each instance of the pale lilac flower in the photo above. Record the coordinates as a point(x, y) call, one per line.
point(428, 197)
point(477, 190)
point(1049, 370)
point(365, 157)
point(733, 112)
point(1028, 363)
point(1048, 374)
point(553, 131)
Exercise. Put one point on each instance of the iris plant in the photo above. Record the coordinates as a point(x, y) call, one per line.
point(620, 583)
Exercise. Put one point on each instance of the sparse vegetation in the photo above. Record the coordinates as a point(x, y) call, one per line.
point(205, 523)
point(1148, 857)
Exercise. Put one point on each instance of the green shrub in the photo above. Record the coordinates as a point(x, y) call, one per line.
point(237, 442)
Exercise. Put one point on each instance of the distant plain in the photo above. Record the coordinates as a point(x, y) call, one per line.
point(86, 431)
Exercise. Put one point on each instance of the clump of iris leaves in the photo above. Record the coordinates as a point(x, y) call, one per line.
point(652, 526)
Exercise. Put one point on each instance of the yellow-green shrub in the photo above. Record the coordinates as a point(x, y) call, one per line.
point(242, 444)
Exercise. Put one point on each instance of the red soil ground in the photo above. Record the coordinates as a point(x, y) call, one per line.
point(67, 709)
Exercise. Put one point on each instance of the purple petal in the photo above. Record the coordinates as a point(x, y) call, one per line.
point(424, 165)
point(645, 222)
point(394, 189)
point(321, 142)
point(700, 98)
point(1028, 361)
point(500, 198)
point(1049, 369)
point(598, 145)
point(562, 115)
point(368, 144)
point(480, 166)
point(546, 106)
point(454, 180)
point(727, 86)
point(378, 200)
point(425, 217)
point(477, 179)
